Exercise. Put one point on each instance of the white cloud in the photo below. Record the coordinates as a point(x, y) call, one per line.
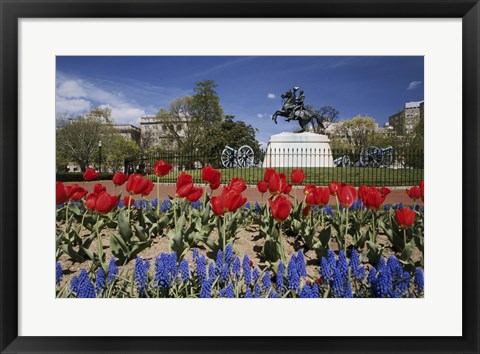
point(70, 88)
point(413, 85)
point(260, 115)
point(72, 106)
point(125, 114)
point(271, 96)
point(78, 96)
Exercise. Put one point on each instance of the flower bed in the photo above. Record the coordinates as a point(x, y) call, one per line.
point(304, 247)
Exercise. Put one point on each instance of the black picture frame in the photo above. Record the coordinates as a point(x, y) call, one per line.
point(12, 11)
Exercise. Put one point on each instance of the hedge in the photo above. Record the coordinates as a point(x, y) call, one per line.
point(78, 177)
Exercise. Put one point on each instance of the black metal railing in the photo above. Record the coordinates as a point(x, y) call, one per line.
point(321, 166)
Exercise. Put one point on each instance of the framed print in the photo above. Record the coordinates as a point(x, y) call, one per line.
point(239, 177)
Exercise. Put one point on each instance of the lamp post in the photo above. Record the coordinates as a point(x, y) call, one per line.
point(100, 156)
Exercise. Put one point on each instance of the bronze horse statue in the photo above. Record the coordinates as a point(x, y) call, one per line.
point(294, 109)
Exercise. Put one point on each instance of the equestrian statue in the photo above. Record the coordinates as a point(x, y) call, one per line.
point(294, 109)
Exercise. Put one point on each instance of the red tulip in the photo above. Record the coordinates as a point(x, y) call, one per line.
point(212, 176)
point(373, 198)
point(105, 202)
point(148, 188)
point(405, 217)
point(60, 193)
point(234, 200)
point(310, 192)
point(75, 192)
point(90, 201)
point(274, 184)
point(237, 184)
point(268, 173)
point(421, 189)
point(184, 185)
point(346, 195)
point(127, 199)
point(323, 196)
point(195, 194)
point(99, 188)
point(217, 203)
point(262, 186)
point(334, 187)
point(284, 187)
point(90, 175)
point(119, 178)
point(297, 176)
point(161, 168)
point(414, 193)
point(385, 191)
point(136, 184)
point(280, 207)
point(362, 191)
point(229, 200)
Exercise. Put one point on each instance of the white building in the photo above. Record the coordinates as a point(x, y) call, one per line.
point(160, 132)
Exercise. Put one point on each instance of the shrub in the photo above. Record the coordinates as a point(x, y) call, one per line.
point(78, 177)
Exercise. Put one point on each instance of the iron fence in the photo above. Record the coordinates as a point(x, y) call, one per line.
point(321, 166)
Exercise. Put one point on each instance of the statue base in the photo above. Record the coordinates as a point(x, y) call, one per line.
point(298, 150)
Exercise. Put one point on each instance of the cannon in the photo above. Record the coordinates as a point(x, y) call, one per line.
point(243, 157)
point(370, 156)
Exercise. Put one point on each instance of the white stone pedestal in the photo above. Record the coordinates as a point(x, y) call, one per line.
point(298, 150)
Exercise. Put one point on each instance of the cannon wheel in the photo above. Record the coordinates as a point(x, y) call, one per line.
point(228, 158)
point(245, 156)
point(371, 156)
point(346, 161)
point(387, 157)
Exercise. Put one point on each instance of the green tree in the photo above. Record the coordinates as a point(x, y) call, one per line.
point(205, 104)
point(77, 140)
point(115, 150)
point(354, 134)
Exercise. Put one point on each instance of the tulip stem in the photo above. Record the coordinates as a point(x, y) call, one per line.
point(83, 218)
point(323, 218)
point(205, 195)
point(405, 237)
point(224, 234)
point(338, 205)
point(346, 233)
point(374, 227)
point(280, 241)
point(158, 195)
point(129, 202)
point(66, 212)
point(100, 245)
point(175, 212)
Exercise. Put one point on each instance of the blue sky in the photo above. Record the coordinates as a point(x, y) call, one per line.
point(248, 87)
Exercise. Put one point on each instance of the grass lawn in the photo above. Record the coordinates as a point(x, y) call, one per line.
point(318, 176)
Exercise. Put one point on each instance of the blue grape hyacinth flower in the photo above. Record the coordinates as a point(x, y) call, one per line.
point(201, 268)
point(206, 291)
point(184, 271)
point(292, 274)
point(141, 275)
point(112, 271)
point(266, 282)
point(418, 280)
point(247, 272)
point(100, 281)
point(58, 273)
point(83, 285)
point(227, 292)
point(279, 278)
